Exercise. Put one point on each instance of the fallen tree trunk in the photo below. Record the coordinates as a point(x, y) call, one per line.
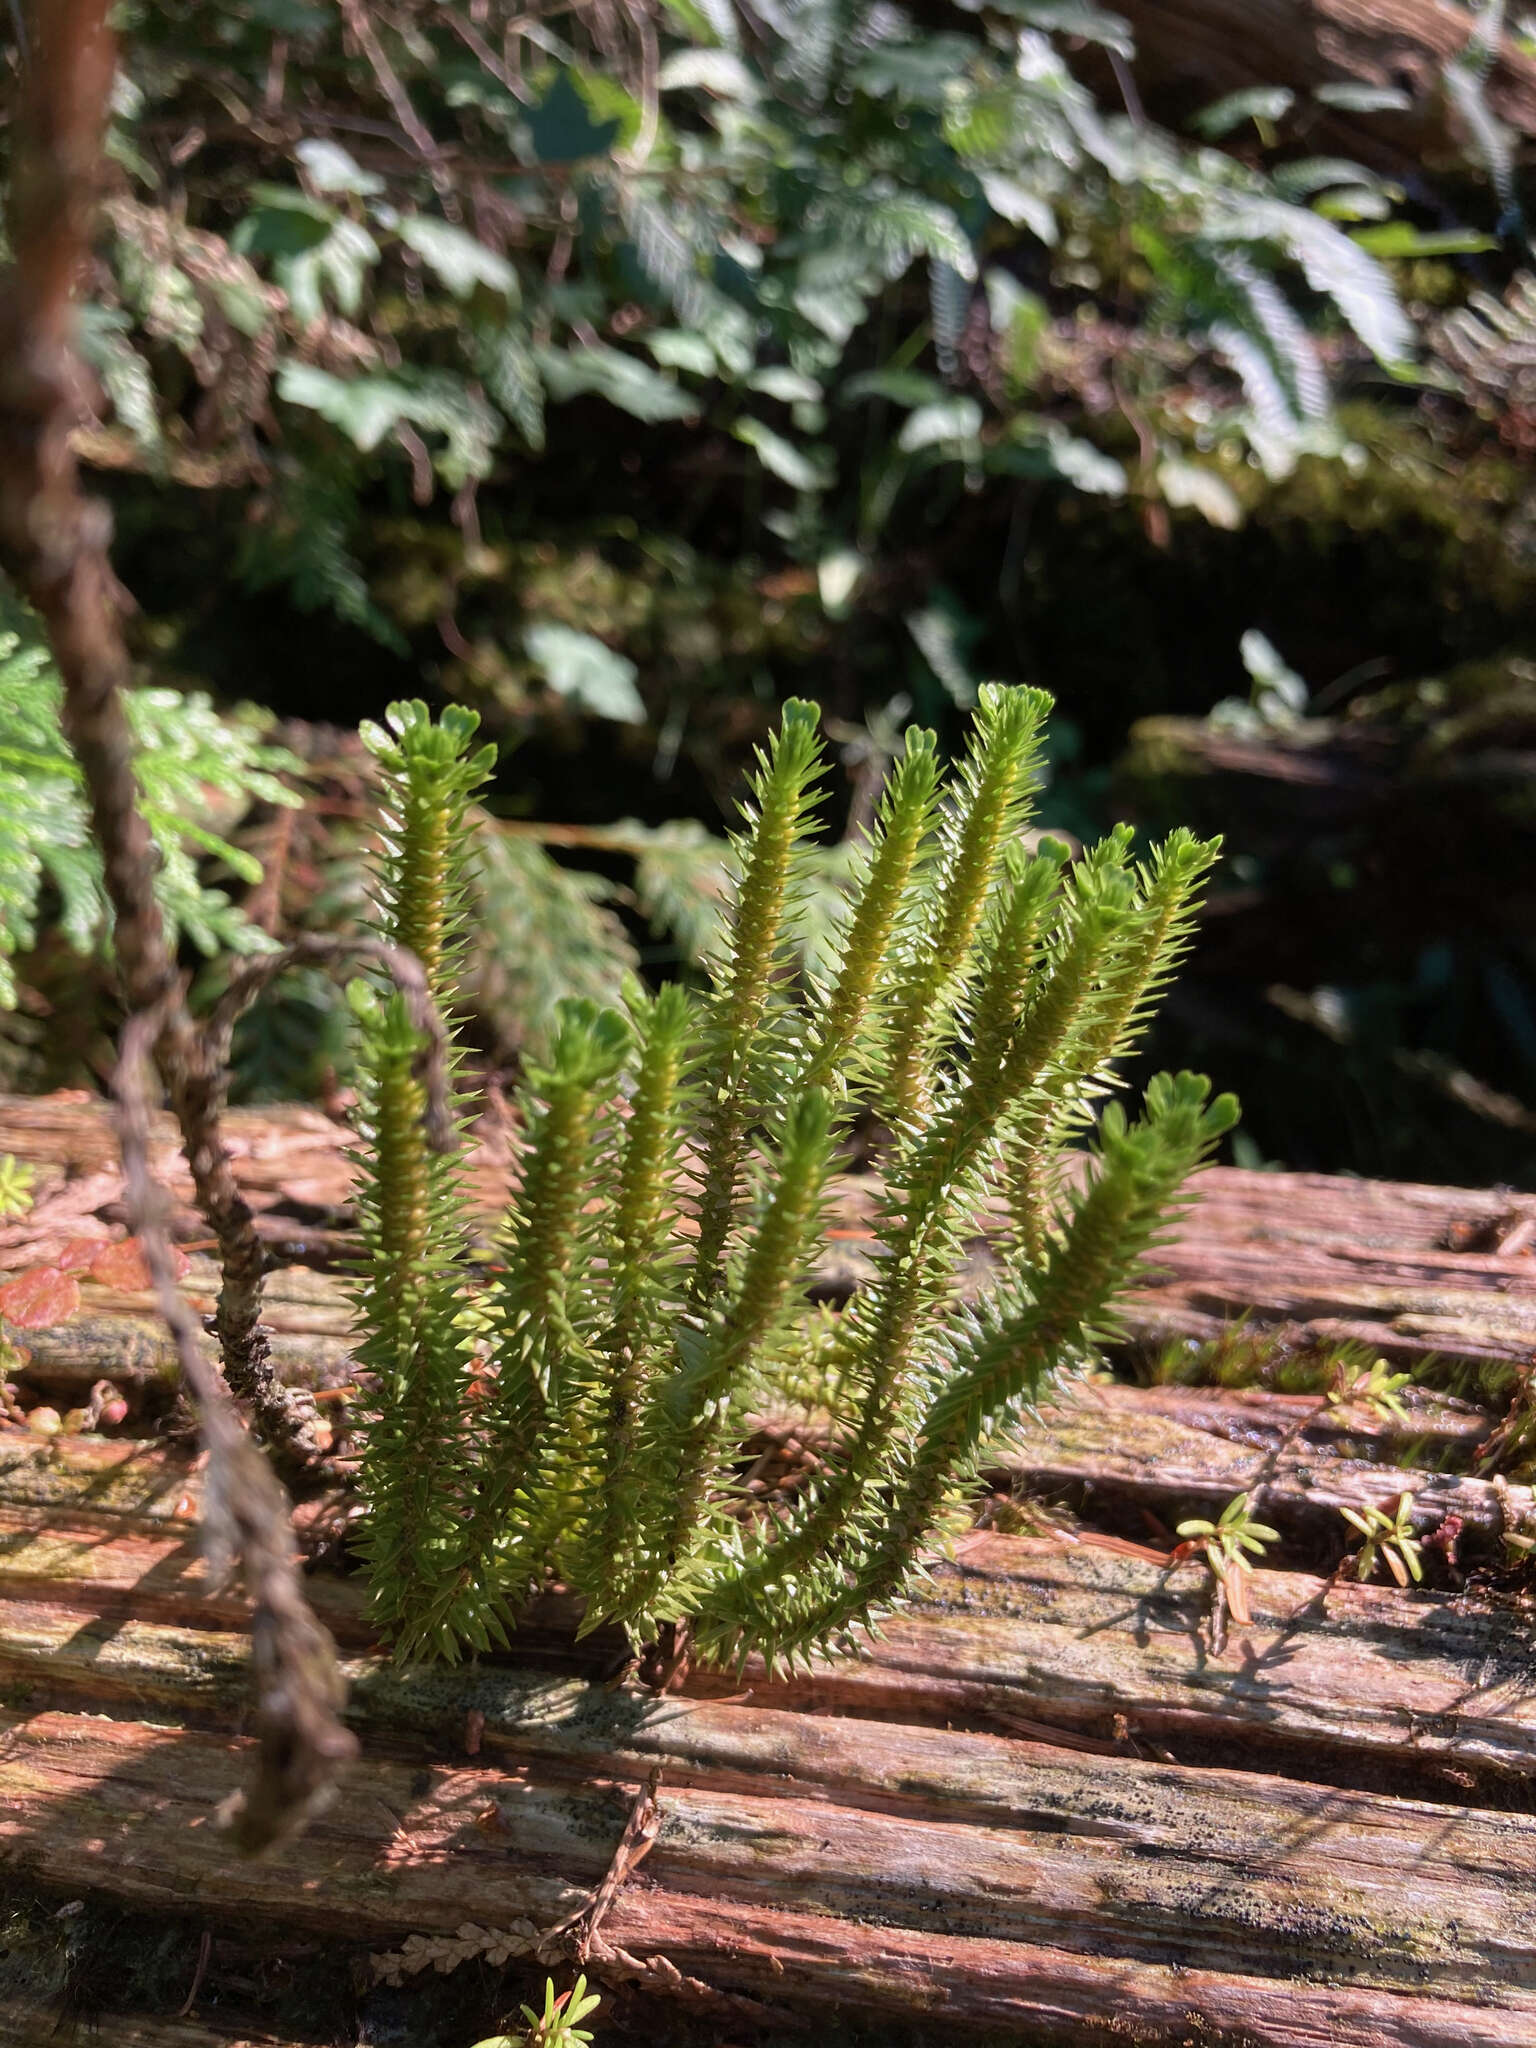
point(766, 1894)
point(1058, 1636)
point(1418, 1273)
point(1044, 1801)
point(23, 2025)
point(888, 1866)
point(1190, 52)
point(1174, 1459)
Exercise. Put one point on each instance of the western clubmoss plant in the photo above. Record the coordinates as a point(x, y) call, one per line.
point(408, 1296)
point(673, 1194)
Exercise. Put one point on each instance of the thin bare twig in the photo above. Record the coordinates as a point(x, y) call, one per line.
point(420, 459)
point(54, 541)
point(581, 1934)
point(252, 976)
point(422, 140)
point(299, 1690)
point(475, 42)
point(204, 1950)
point(1128, 92)
point(198, 1084)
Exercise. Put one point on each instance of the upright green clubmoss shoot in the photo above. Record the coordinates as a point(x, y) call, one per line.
point(417, 1471)
point(673, 1194)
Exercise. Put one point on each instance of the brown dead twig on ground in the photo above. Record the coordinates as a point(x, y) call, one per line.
point(581, 1934)
point(299, 1691)
point(54, 543)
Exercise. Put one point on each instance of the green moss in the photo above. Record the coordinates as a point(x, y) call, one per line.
point(1248, 1354)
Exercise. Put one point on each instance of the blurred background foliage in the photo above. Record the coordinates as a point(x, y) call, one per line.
point(624, 368)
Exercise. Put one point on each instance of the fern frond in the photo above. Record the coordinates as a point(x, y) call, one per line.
point(189, 760)
point(542, 932)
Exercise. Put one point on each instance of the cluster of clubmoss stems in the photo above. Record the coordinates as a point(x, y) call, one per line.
point(673, 1178)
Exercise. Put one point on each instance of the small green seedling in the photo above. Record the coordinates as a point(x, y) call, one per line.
point(1377, 1389)
point(1389, 1537)
point(558, 2025)
point(1224, 1543)
point(15, 1186)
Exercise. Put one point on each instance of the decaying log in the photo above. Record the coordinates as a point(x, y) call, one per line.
point(1177, 1458)
point(773, 1893)
point(125, 1477)
point(116, 1336)
point(1043, 1800)
point(1414, 1272)
point(1439, 1428)
point(1190, 52)
point(1054, 1637)
point(864, 1855)
point(24, 2025)
point(290, 1163)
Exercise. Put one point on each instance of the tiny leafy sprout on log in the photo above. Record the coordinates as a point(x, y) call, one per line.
point(558, 2025)
point(1389, 1537)
point(1377, 1389)
point(577, 1412)
point(16, 1180)
point(1224, 1542)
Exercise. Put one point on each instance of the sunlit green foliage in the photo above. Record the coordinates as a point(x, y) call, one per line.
point(577, 1412)
point(16, 1179)
point(191, 764)
point(1389, 1538)
point(557, 2024)
point(856, 249)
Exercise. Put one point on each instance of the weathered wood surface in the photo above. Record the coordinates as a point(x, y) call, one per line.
point(24, 2024)
point(864, 1855)
point(1042, 1801)
point(1410, 1270)
point(1050, 1636)
point(774, 1893)
point(835, 1820)
point(1170, 1452)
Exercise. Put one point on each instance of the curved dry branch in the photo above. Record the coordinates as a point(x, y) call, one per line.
point(313, 949)
point(299, 1689)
